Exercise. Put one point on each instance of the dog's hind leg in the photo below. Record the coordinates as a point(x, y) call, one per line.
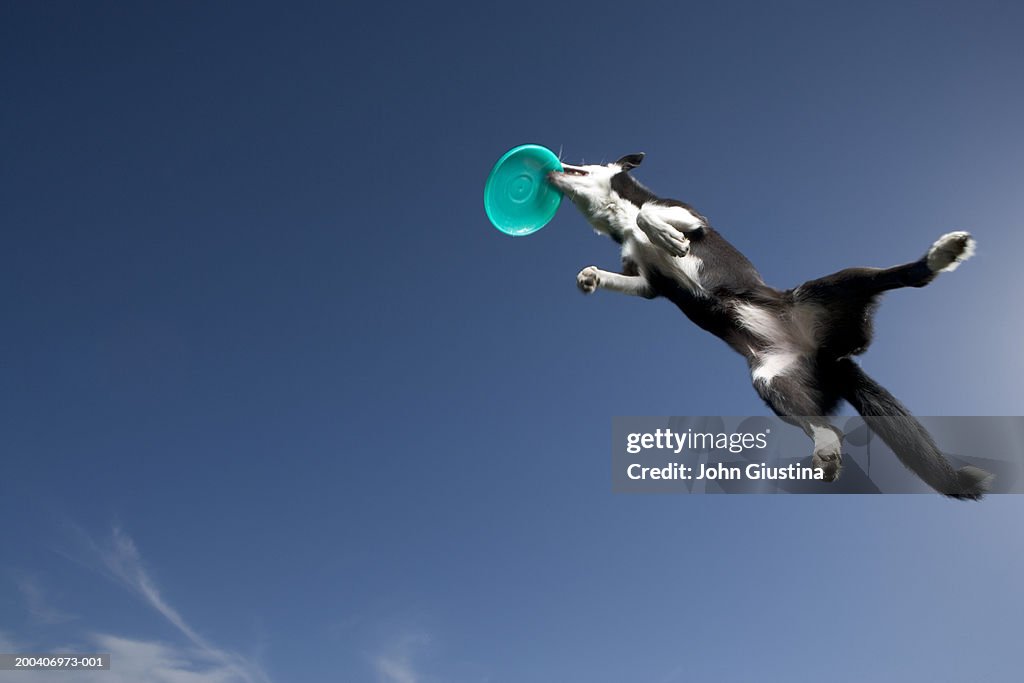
point(948, 252)
point(794, 400)
point(843, 304)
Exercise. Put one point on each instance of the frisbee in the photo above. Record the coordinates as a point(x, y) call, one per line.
point(518, 198)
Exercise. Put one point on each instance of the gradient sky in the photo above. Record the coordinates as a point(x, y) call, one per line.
point(278, 404)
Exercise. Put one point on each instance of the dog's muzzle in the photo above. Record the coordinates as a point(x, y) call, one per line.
point(569, 169)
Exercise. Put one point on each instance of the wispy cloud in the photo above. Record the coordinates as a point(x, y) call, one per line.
point(138, 660)
point(132, 661)
point(394, 664)
point(391, 670)
point(38, 604)
point(119, 558)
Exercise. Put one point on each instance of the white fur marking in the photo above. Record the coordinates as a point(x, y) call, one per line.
point(762, 323)
point(787, 340)
point(825, 440)
point(773, 364)
point(675, 216)
point(666, 227)
point(685, 270)
point(689, 267)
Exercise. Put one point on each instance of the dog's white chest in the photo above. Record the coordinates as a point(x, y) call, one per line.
point(648, 257)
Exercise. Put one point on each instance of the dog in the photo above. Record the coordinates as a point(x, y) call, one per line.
point(798, 343)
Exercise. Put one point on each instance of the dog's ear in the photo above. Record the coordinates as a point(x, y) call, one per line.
point(630, 161)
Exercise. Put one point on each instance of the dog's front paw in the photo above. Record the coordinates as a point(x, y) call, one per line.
point(665, 228)
point(949, 251)
point(588, 279)
point(675, 243)
point(681, 248)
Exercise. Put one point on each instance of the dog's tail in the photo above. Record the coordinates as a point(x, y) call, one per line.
point(907, 437)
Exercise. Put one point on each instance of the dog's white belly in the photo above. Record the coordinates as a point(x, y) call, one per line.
point(787, 341)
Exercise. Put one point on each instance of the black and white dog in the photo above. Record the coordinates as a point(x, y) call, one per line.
point(798, 343)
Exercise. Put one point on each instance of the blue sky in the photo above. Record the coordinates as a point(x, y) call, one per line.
point(279, 405)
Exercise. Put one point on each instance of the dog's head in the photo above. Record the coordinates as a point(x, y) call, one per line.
point(591, 186)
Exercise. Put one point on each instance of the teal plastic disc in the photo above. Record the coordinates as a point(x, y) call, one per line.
point(518, 198)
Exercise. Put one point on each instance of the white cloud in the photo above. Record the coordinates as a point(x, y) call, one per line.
point(395, 664)
point(395, 671)
point(121, 558)
point(39, 607)
point(132, 661)
point(135, 660)
point(200, 661)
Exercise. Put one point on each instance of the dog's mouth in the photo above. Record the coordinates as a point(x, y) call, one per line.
point(569, 169)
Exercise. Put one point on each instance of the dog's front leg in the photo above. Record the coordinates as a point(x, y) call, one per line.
point(592, 278)
point(668, 227)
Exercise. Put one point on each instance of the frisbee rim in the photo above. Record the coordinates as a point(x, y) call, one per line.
point(491, 197)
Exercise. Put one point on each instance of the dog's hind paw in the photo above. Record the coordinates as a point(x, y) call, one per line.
point(830, 462)
point(949, 251)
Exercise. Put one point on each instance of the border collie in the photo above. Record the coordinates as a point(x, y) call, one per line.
point(798, 343)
